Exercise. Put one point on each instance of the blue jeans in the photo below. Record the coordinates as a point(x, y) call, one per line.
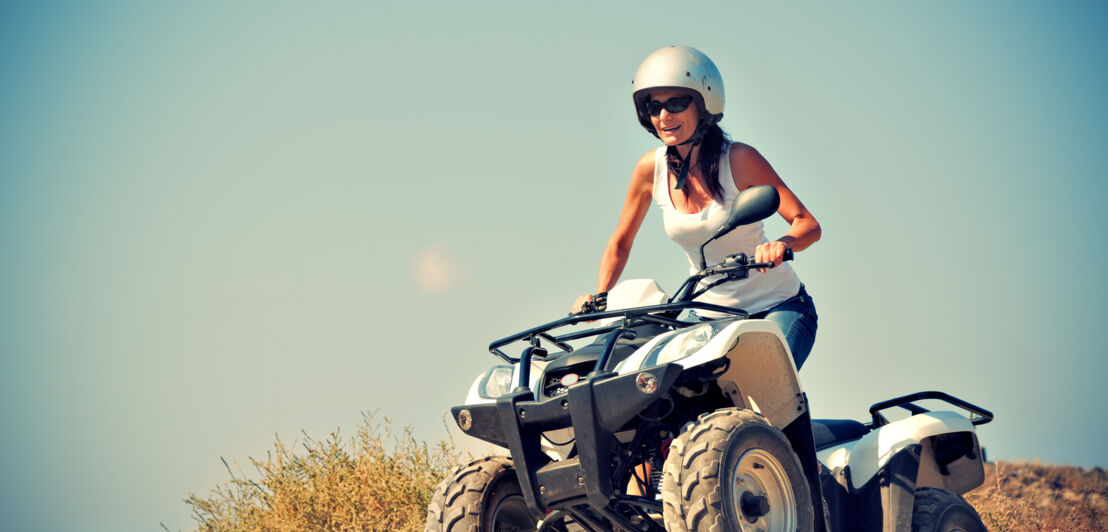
point(797, 318)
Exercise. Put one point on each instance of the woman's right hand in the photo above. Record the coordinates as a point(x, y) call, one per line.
point(579, 304)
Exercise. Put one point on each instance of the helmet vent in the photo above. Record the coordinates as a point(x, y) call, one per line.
point(688, 75)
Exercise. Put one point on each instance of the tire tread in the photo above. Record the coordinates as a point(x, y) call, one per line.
point(932, 504)
point(456, 503)
point(691, 496)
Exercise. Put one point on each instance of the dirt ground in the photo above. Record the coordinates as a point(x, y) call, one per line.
point(1034, 497)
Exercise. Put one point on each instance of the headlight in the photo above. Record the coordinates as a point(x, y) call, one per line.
point(497, 382)
point(676, 345)
point(680, 346)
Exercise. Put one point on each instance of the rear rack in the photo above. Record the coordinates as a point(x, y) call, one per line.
point(907, 402)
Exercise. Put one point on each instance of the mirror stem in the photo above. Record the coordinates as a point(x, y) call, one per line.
point(703, 261)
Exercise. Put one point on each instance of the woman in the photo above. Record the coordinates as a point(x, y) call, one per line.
point(694, 177)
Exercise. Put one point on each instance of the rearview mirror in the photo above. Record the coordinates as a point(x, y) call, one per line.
point(751, 205)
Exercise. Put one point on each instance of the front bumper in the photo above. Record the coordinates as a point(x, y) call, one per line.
point(596, 408)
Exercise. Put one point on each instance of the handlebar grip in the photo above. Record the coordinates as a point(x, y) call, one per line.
point(788, 254)
point(598, 303)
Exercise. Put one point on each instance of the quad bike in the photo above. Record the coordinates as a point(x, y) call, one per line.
point(666, 424)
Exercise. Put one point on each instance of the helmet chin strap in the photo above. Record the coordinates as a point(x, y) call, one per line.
point(685, 161)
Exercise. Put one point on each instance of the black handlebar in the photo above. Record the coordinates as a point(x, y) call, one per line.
point(742, 261)
point(734, 267)
point(787, 256)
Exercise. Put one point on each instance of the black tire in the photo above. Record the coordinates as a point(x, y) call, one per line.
point(438, 501)
point(732, 470)
point(938, 510)
point(482, 496)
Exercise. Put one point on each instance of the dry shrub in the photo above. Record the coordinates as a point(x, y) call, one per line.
point(1002, 513)
point(1032, 497)
point(376, 481)
point(383, 481)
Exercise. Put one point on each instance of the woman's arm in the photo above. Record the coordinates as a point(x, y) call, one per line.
point(618, 249)
point(749, 168)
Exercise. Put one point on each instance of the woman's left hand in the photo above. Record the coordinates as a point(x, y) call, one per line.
point(770, 252)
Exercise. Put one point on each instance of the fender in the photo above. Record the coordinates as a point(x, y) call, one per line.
point(761, 375)
point(868, 455)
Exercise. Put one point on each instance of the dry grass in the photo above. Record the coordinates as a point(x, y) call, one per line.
point(1032, 497)
point(377, 480)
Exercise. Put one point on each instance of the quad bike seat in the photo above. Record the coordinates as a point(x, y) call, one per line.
point(829, 432)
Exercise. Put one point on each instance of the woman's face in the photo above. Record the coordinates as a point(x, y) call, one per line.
point(674, 128)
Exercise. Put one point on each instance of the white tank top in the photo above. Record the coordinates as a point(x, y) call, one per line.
point(757, 292)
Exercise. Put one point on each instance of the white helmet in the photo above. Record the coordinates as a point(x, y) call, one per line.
point(679, 67)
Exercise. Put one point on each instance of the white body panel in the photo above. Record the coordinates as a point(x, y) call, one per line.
point(473, 397)
point(634, 293)
point(761, 377)
point(867, 455)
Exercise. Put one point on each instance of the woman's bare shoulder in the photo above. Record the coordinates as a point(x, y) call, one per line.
point(748, 167)
point(739, 150)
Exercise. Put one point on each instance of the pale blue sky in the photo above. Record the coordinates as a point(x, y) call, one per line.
point(210, 216)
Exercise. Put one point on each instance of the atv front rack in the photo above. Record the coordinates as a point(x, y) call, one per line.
point(664, 314)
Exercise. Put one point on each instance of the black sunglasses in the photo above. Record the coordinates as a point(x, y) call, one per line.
point(673, 105)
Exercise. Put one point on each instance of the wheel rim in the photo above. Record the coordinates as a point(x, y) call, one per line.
point(763, 496)
point(512, 515)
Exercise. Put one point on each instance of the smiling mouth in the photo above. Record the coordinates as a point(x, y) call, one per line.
point(670, 129)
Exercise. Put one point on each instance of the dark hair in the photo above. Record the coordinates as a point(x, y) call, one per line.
point(711, 147)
